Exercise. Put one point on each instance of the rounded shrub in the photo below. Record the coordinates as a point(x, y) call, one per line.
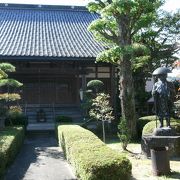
point(95, 85)
point(141, 122)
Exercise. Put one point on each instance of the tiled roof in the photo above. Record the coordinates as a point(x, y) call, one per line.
point(31, 31)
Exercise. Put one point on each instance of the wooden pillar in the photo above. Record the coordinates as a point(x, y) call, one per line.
point(84, 82)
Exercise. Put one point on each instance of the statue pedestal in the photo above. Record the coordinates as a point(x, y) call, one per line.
point(165, 131)
point(162, 137)
point(157, 146)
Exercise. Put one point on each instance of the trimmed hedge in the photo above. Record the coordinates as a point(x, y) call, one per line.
point(90, 157)
point(141, 122)
point(11, 139)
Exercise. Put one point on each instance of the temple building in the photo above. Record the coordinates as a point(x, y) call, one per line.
point(54, 55)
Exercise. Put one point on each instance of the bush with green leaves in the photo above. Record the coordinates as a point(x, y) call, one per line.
point(87, 102)
point(16, 117)
point(11, 139)
point(124, 133)
point(101, 108)
point(90, 157)
point(95, 85)
point(141, 122)
point(63, 119)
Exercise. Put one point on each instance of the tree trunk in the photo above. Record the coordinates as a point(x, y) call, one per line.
point(125, 77)
point(127, 95)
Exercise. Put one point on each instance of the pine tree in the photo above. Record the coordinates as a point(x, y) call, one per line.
point(7, 96)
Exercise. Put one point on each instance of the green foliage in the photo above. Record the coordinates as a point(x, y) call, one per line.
point(137, 53)
point(63, 119)
point(10, 82)
point(141, 122)
point(90, 157)
point(16, 117)
point(3, 74)
point(101, 109)
point(113, 55)
point(7, 96)
point(7, 67)
point(95, 85)
point(87, 102)
point(124, 133)
point(11, 139)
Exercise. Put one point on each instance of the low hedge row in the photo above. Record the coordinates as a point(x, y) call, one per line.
point(11, 139)
point(90, 157)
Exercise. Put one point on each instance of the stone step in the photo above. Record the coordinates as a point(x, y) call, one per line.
point(41, 127)
point(50, 114)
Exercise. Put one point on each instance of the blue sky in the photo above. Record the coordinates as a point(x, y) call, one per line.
point(171, 5)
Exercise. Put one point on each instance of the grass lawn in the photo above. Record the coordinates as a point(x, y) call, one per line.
point(141, 166)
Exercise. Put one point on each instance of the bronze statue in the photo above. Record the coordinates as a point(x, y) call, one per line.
point(163, 93)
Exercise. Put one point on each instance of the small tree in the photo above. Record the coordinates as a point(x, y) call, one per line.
point(101, 110)
point(124, 133)
point(7, 96)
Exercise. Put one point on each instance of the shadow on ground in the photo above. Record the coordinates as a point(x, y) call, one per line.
point(35, 146)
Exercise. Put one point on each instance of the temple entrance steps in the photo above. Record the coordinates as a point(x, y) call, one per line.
point(46, 113)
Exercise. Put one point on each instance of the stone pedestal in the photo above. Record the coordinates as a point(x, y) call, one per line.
point(161, 137)
point(160, 161)
point(157, 146)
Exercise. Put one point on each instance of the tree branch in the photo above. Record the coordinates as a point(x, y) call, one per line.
point(101, 3)
point(113, 38)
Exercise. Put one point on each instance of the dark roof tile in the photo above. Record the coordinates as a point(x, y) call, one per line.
point(46, 32)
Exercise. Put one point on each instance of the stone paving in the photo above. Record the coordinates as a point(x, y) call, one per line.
point(40, 159)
